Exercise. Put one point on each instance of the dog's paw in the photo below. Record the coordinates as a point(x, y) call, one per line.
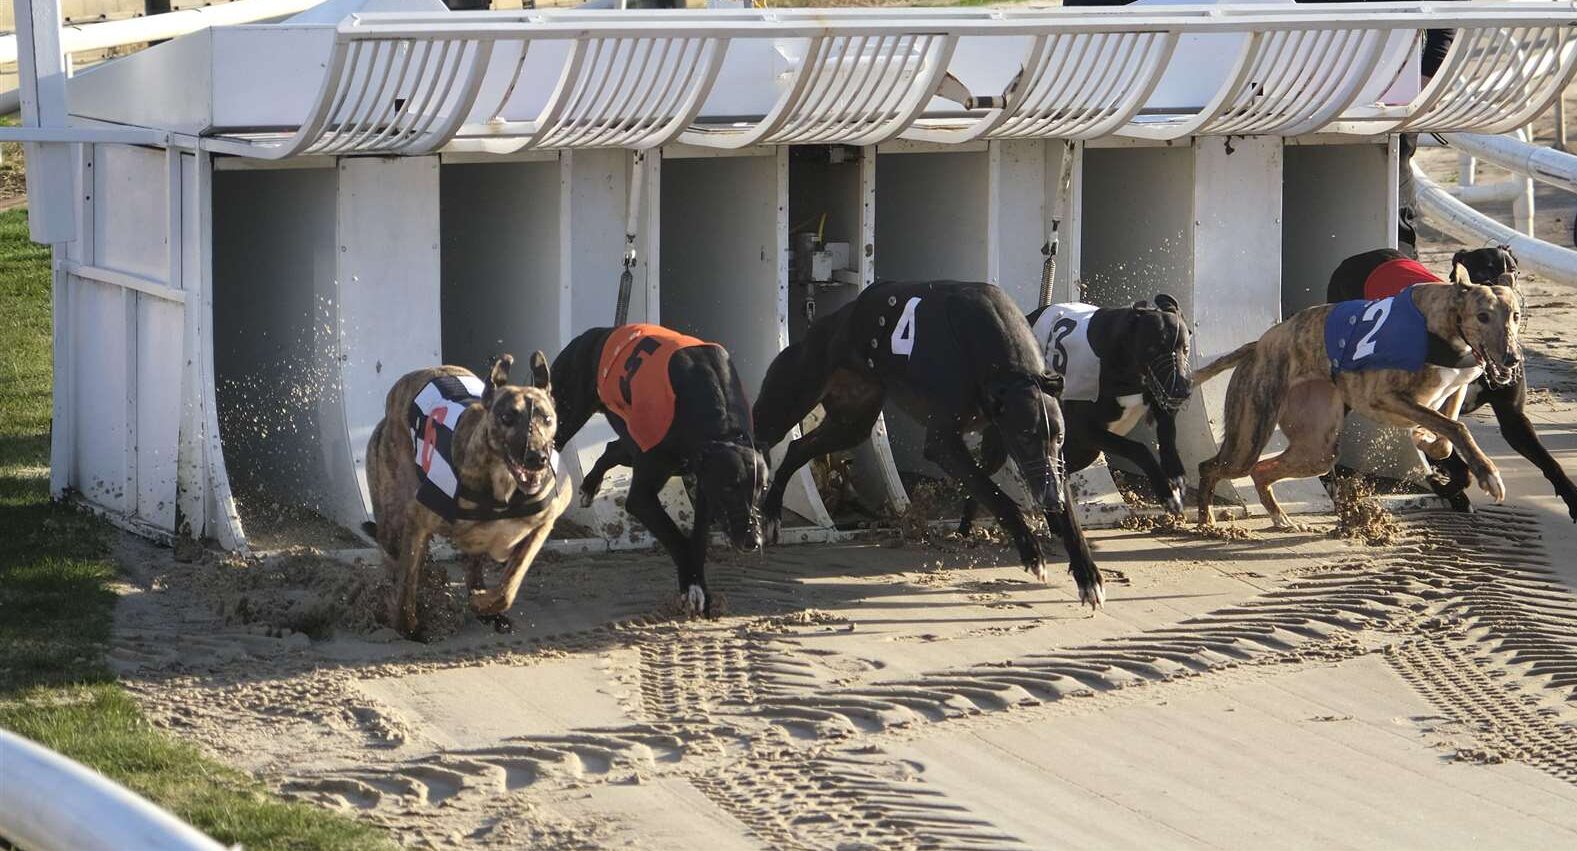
point(1093, 596)
point(1174, 499)
point(586, 498)
point(693, 601)
point(501, 624)
point(1037, 569)
point(488, 603)
point(1494, 486)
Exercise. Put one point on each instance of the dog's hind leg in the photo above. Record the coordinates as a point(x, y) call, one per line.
point(993, 454)
point(1253, 403)
point(852, 402)
point(945, 446)
point(1311, 421)
point(408, 574)
point(794, 383)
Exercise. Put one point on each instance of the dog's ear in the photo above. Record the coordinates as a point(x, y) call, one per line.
point(1459, 275)
point(1141, 304)
point(498, 377)
point(541, 376)
point(1458, 259)
point(1510, 258)
point(1167, 303)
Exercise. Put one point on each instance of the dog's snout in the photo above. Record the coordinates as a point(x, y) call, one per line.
point(536, 460)
point(1512, 359)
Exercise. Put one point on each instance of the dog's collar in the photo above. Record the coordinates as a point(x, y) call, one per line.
point(519, 505)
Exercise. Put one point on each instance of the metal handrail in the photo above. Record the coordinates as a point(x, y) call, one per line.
point(408, 83)
point(49, 802)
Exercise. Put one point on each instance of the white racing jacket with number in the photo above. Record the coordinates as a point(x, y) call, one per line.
point(1063, 332)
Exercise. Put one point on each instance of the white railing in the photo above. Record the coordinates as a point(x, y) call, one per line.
point(49, 803)
point(1469, 225)
point(409, 83)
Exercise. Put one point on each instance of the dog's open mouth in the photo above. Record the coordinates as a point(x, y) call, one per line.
point(530, 473)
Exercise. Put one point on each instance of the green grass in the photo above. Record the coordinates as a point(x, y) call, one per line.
point(55, 610)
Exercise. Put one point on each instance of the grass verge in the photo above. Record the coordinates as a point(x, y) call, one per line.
point(55, 610)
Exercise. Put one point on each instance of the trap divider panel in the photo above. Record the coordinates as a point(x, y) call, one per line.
point(387, 284)
point(1341, 200)
point(593, 204)
point(1237, 289)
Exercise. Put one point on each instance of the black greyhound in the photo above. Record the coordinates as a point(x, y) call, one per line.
point(1381, 273)
point(679, 409)
point(1118, 365)
point(959, 357)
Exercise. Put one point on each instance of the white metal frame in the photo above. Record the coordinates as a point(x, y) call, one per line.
point(403, 83)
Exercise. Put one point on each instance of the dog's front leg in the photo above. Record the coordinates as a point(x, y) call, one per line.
point(945, 446)
point(993, 454)
point(615, 454)
point(1139, 455)
point(693, 577)
point(644, 505)
point(1080, 562)
point(1171, 460)
point(491, 605)
point(1483, 469)
point(1519, 433)
point(408, 573)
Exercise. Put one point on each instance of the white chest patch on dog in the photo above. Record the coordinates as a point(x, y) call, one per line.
point(1064, 334)
point(1453, 379)
point(1134, 408)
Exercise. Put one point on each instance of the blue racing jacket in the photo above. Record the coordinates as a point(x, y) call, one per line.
point(1387, 333)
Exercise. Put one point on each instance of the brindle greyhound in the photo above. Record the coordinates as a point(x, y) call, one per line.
point(1118, 365)
point(1396, 361)
point(959, 357)
point(679, 409)
point(472, 462)
point(1363, 276)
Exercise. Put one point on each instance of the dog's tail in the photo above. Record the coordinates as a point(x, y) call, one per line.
point(1225, 362)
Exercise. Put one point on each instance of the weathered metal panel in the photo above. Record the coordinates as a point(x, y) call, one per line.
point(387, 304)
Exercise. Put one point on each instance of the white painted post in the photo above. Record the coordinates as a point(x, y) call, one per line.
point(387, 305)
point(1236, 293)
point(41, 81)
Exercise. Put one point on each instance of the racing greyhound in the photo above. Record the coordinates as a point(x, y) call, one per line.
point(678, 408)
point(959, 357)
point(1396, 360)
point(1384, 272)
point(1118, 365)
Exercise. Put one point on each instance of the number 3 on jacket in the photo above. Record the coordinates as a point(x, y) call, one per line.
point(903, 332)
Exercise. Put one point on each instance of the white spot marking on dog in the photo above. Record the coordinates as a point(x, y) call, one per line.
point(1134, 408)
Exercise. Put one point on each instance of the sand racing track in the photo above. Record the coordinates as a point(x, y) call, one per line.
point(1285, 690)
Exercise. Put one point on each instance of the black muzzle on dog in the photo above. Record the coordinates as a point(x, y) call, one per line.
point(1169, 382)
point(1044, 478)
